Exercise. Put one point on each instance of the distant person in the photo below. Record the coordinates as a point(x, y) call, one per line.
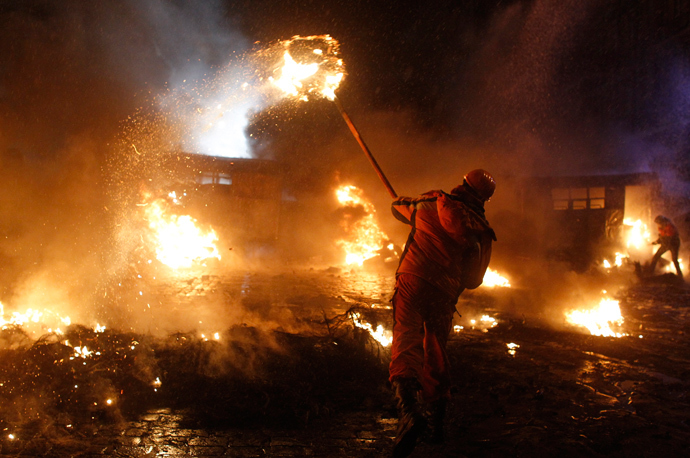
point(669, 239)
point(448, 250)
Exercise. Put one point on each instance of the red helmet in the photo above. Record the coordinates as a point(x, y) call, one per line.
point(482, 183)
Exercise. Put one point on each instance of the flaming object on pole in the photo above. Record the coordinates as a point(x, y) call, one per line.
point(312, 67)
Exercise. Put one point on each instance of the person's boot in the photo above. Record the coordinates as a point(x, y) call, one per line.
point(437, 415)
point(411, 422)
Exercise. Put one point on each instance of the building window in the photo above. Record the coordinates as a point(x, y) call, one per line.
point(578, 198)
point(215, 178)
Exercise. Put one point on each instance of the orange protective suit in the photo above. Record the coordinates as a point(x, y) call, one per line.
point(448, 250)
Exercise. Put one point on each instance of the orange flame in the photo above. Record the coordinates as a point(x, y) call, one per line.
point(599, 319)
point(365, 238)
point(493, 279)
point(34, 321)
point(381, 335)
point(638, 234)
point(179, 242)
point(311, 67)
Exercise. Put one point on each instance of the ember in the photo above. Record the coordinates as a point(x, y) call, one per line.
point(364, 238)
point(670, 267)
point(484, 323)
point(618, 262)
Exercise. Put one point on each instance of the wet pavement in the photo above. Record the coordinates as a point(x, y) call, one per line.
point(554, 392)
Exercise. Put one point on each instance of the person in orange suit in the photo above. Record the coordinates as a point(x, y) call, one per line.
point(448, 250)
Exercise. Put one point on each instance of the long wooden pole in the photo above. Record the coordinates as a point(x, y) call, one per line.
point(365, 148)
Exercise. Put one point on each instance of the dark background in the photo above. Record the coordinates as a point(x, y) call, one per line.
point(569, 82)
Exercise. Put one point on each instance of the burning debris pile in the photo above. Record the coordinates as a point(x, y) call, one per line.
point(85, 379)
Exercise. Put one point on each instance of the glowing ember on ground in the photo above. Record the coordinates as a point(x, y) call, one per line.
point(216, 336)
point(364, 237)
point(671, 268)
point(484, 323)
point(179, 242)
point(494, 279)
point(382, 336)
point(311, 66)
point(599, 319)
point(512, 348)
point(82, 352)
point(618, 262)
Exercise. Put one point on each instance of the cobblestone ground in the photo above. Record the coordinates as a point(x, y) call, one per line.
point(159, 433)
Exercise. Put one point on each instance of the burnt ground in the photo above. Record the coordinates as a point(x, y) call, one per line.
point(318, 387)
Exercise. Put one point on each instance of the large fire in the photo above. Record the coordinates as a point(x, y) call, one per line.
point(600, 320)
point(493, 279)
point(364, 238)
point(34, 321)
point(179, 242)
point(637, 240)
point(637, 234)
point(311, 67)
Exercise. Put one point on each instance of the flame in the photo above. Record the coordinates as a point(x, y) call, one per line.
point(638, 234)
point(636, 237)
point(484, 323)
point(365, 238)
point(671, 268)
point(179, 242)
point(618, 261)
point(33, 320)
point(599, 319)
point(317, 71)
point(381, 335)
point(494, 279)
